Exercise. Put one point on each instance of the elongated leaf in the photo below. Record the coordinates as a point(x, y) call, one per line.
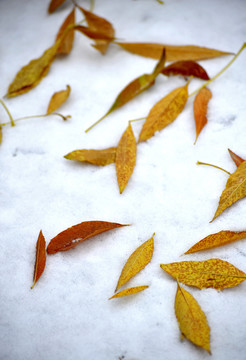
point(95, 157)
point(192, 320)
point(237, 159)
point(213, 273)
point(218, 239)
point(57, 99)
point(125, 158)
point(40, 258)
point(54, 4)
point(67, 41)
point(164, 112)
point(136, 262)
point(186, 68)
point(200, 109)
point(173, 52)
point(74, 235)
point(129, 291)
point(235, 189)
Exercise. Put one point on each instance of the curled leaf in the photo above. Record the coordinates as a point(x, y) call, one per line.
point(95, 157)
point(237, 159)
point(57, 99)
point(67, 40)
point(186, 68)
point(40, 258)
point(200, 109)
point(129, 291)
point(54, 4)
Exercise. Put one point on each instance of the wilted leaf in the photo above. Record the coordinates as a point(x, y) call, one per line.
point(40, 258)
point(136, 262)
point(200, 109)
point(164, 112)
point(72, 236)
point(95, 157)
point(57, 99)
point(67, 41)
point(129, 291)
point(237, 159)
point(235, 189)
point(192, 320)
point(54, 4)
point(217, 239)
point(186, 68)
point(125, 159)
point(213, 273)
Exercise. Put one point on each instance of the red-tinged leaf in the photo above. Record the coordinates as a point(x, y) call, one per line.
point(40, 258)
point(237, 159)
point(200, 109)
point(186, 68)
point(67, 41)
point(95, 157)
point(74, 235)
point(129, 291)
point(54, 4)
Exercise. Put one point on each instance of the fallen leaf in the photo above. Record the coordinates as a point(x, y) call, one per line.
point(200, 109)
point(54, 4)
point(125, 159)
point(237, 159)
point(136, 262)
point(95, 157)
point(67, 41)
point(40, 258)
point(235, 189)
point(218, 239)
point(92, 34)
point(74, 235)
point(186, 68)
point(213, 273)
point(57, 99)
point(192, 320)
point(129, 291)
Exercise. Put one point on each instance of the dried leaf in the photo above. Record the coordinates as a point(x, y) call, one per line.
point(125, 159)
point(186, 68)
point(164, 112)
point(213, 273)
point(192, 320)
point(40, 258)
point(173, 52)
point(95, 157)
point(136, 262)
point(57, 99)
point(129, 291)
point(237, 159)
point(54, 4)
point(200, 109)
point(92, 34)
point(74, 235)
point(235, 189)
point(67, 41)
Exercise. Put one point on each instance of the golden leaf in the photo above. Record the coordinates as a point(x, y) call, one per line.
point(40, 258)
point(54, 4)
point(125, 159)
point(95, 157)
point(67, 41)
point(235, 189)
point(57, 99)
point(237, 159)
point(213, 273)
point(200, 109)
point(129, 291)
point(136, 262)
point(186, 68)
point(192, 320)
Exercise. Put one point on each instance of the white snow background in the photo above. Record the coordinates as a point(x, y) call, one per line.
point(67, 315)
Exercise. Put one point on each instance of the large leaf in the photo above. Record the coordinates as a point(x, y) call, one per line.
point(40, 258)
point(95, 157)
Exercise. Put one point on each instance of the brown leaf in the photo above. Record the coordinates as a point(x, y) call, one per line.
point(67, 41)
point(57, 99)
point(186, 68)
point(74, 235)
point(200, 109)
point(40, 258)
point(92, 34)
point(129, 291)
point(54, 4)
point(192, 320)
point(125, 159)
point(237, 159)
point(95, 157)
point(213, 273)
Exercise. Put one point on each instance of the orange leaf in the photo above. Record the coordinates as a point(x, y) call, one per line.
point(57, 99)
point(200, 109)
point(237, 159)
point(54, 4)
point(186, 68)
point(92, 33)
point(74, 235)
point(40, 258)
point(129, 291)
point(95, 157)
point(67, 41)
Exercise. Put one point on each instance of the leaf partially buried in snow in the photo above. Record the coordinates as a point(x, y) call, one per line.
point(221, 238)
point(200, 109)
point(136, 262)
point(67, 41)
point(213, 273)
point(95, 157)
point(40, 258)
point(74, 235)
point(129, 291)
point(192, 320)
point(57, 99)
point(186, 68)
point(54, 4)
point(237, 159)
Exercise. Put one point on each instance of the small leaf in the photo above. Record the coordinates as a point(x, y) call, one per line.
point(74, 235)
point(192, 320)
point(136, 262)
point(237, 159)
point(125, 158)
point(129, 291)
point(200, 109)
point(213, 273)
point(54, 4)
point(67, 41)
point(40, 258)
point(186, 68)
point(95, 157)
point(57, 99)
point(218, 239)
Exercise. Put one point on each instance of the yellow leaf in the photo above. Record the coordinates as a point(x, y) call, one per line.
point(129, 291)
point(67, 41)
point(235, 189)
point(54, 4)
point(136, 262)
point(164, 112)
point(57, 99)
point(192, 320)
point(95, 157)
point(213, 273)
point(40, 258)
point(125, 158)
point(218, 239)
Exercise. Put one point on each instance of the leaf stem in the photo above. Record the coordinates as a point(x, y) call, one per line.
point(142, 118)
point(8, 112)
point(215, 166)
point(37, 116)
point(97, 122)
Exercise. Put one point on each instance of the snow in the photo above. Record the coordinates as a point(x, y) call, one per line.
point(67, 315)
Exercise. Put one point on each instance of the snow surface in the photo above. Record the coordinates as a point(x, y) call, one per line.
point(67, 315)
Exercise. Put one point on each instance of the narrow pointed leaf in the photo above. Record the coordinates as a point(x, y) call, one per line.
point(40, 258)
point(54, 4)
point(95, 157)
point(67, 41)
point(192, 320)
point(57, 99)
point(186, 68)
point(200, 109)
point(136, 262)
point(237, 159)
point(213, 273)
point(129, 291)
point(74, 235)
